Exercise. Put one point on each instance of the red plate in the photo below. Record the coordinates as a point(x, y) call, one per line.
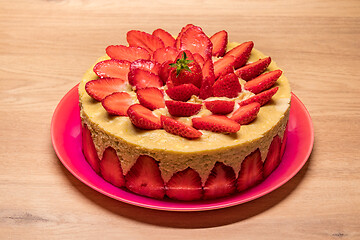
point(66, 139)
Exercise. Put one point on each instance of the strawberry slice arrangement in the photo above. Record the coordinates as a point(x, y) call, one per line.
point(157, 81)
point(192, 76)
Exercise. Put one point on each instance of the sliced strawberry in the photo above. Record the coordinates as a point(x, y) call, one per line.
point(166, 37)
point(189, 55)
point(177, 41)
point(221, 182)
point(283, 144)
point(89, 150)
point(253, 70)
point(151, 98)
point(143, 118)
point(224, 66)
point(142, 39)
point(216, 123)
point(178, 128)
point(130, 54)
point(220, 106)
point(219, 41)
point(143, 79)
point(196, 41)
point(199, 59)
point(117, 103)
point(273, 157)
point(182, 109)
point(241, 53)
point(262, 82)
point(165, 70)
point(183, 92)
point(246, 114)
point(262, 98)
point(251, 172)
point(165, 54)
point(102, 87)
point(227, 86)
point(185, 185)
point(110, 168)
point(144, 178)
point(208, 80)
point(112, 68)
point(147, 65)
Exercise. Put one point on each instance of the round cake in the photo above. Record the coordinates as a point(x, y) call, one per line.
point(187, 118)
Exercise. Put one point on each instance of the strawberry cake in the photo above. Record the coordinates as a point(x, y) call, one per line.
point(189, 117)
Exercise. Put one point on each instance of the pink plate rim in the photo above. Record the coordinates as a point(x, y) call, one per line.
point(66, 140)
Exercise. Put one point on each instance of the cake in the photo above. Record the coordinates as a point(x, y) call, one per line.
point(188, 118)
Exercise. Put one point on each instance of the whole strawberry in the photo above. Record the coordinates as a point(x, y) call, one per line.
point(186, 71)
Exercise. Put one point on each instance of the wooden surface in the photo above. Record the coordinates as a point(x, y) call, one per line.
point(46, 46)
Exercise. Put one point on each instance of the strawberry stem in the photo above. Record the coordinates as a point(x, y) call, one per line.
point(181, 63)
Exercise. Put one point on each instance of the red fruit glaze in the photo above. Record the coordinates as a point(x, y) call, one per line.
point(179, 128)
point(216, 123)
point(112, 68)
point(184, 185)
point(143, 79)
point(165, 54)
point(196, 41)
point(130, 54)
point(144, 178)
point(110, 168)
point(182, 109)
point(254, 69)
point(220, 106)
point(262, 98)
point(142, 39)
point(219, 41)
point(251, 172)
point(143, 118)
point(241, 53)
point(183, 92)
point(117, 103)
point(147, 65)
point(166, 37)
point(227, 86)
point(102, 87)
point(273, 157)
point(246, 114)
point(151, 98)
point(263, 82)
point(89, 150)
point(221, 182)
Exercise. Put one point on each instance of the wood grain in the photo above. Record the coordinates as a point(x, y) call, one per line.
point(46, 46)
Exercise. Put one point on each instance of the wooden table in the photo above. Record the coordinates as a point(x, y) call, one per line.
point(46, 46)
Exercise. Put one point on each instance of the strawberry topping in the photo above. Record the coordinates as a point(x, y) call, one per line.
point(151, 98)
point(254, 69)
point(227, 86)
point(208, 81)
point(110, 168)
point(166, 37)
point(273, 157)
point(147, 65)
point(165, 54)
point(241, 53)
point(219, 41)
point(112, 68)
point(143, 118)
point(262, 98)
point(143, 79)
point(183, 92)
point(178, 128)
point(246, 114)
point(130, 54)
point(182, 109)
point(177, 41)
point(100, 88)
point(216, 123)
point(196, 41)
point(263, 82)
point(251, 172)
point(220, 106)
point(224, 66)
point(117, 103)
point(199, 59)
point(142, 39)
